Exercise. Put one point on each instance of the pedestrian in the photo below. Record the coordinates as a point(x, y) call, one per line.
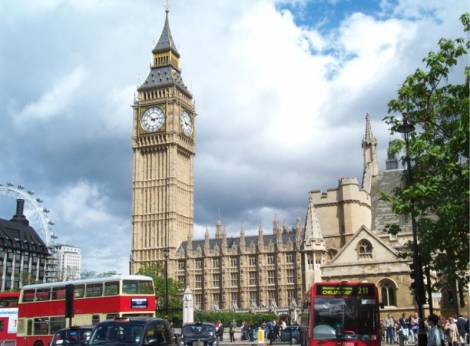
point(414, 327)
point(389, 325)
point(232, 327)
point(461, 323)
point(435, 335)
point(272, 332)
point(221, 331)
point(245, 330)
point(453, 332)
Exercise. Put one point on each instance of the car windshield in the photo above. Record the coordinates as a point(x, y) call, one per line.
point(198, 330)
point(72, 337)
point(117, 333)
point(340, 318)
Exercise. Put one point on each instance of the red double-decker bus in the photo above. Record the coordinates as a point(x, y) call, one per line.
point(8, 315)
point(42, 306)
point(342, 313)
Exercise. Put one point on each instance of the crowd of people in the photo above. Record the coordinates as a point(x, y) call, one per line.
point(249, 330)
point(440, 331)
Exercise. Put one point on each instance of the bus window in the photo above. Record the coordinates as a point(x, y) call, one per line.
point(79, 291)
point(57, 323)
point(58, 293)
point(95, 319)
point(145, 287)
point(43, 294)
point(129, 287)
point(111, 288)
point(94, 290)
point(28, 296)
point(137, 287)
point(2, 325)
point(41, 326)
point(30, 327)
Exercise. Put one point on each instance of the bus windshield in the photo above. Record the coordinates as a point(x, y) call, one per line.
point(344, 318)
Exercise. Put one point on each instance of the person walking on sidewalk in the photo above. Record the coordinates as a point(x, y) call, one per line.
point(231, 330)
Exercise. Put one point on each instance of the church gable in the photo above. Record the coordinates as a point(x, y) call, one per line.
point(364, 247)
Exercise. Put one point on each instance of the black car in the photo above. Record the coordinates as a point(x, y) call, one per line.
point(73, 336)
point(291, 332)
point(133, 332)
point(198, 334)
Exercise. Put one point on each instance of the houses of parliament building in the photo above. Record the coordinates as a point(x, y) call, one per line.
point(341, 238)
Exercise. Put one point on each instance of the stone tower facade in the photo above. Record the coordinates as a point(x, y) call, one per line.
point(163, 143)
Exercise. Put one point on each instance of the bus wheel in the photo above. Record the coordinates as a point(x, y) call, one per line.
point(38, 343)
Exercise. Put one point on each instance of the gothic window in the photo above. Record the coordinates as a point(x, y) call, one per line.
point(290, 276)
point(332, 253)
point(271, 277)
point(215, 262)
point(388, 291)
point(272, 296)
point(253, 278)
point(254, 298)
point(290, 296)
point(181, 265)
point(199, 264)
point(252, 260)
point(198, 281)
point(234, 297)
point(365, 249)
point(181, 280)
point(270, 259)
point(198, 301)
point(216, 280)
point(216, 299)
point(310, 261)
point(234, 279)
point(290, 258)
point(234, 261)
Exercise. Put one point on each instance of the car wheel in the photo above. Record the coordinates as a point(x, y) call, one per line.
point(38, 343)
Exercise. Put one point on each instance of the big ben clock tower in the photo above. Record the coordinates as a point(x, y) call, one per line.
point(163, 153)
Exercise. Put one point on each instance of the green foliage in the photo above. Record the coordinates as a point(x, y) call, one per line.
point(438, 194)
point(227, 316)
point(155, 271)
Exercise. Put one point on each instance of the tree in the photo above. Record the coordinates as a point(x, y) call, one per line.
point(438, 149)
point(155, 271)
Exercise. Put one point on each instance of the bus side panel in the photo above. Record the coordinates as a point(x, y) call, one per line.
point(33, 340)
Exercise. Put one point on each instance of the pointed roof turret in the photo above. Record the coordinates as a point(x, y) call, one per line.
point(368, 135)
point(166, 43)
point(313, 235)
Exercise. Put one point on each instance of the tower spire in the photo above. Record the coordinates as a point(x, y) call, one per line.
point(166, 43)
point(369, 149)
point(368, 135)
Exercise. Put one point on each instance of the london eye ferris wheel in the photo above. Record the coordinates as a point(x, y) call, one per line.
point(37, 214)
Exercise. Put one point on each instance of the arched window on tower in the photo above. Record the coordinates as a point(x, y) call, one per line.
point(388, 292)
point(364, 249)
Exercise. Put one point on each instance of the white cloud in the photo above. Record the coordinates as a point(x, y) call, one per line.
point(83, 217)
point(55, 101)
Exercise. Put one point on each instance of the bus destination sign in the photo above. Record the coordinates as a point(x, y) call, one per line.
point(348, 291)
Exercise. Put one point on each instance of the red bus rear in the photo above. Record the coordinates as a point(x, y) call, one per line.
point(342, 313)
point(42, 306)
point(8, 315)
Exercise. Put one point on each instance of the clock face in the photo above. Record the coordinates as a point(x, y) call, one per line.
point(152, 119)
point(186, 124)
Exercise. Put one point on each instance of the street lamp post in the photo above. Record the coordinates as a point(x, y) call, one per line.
point(166, 283)
point(406, 129)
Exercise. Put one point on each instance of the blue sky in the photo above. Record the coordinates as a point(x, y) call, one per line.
point(281, 90)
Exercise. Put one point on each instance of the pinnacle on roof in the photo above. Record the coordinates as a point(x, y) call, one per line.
point(368, 135)
point(166, 42)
